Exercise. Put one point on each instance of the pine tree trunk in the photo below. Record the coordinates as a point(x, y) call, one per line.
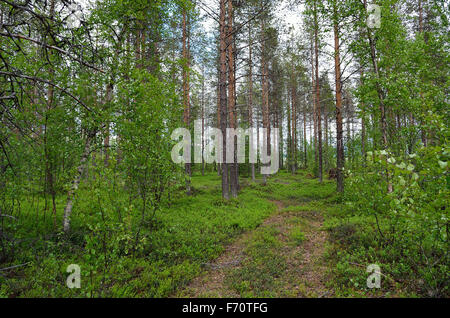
point(186, 95)
point(265, 95)
point(289, 125)
point(294, 126)
point(223, 96)
point(325, 120)
point(219, 168)
point(232, 100)
point(339, 129)
point(305, 149)
point(314, 111)
point(363, 139)
point(250, 93)
point(319, 117)
point(203, 121)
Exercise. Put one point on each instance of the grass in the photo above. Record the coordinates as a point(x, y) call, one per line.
point(351, 248)
point(271, 264)
point(297, 236)
point(189, 233)
point(278, 218)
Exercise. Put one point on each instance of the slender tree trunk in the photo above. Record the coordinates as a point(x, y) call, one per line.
point(363, 127)
point(423, 132)
point(305, 144)
point(265, 93)
point(76, 182)
point(339, 134)
point(186, 95)
point(347, 123)
point(314, 111)
point(219, 168)
point(50, 102)
point(295, 119)
point(289, 126)
point(223, 96)
point(280, 127)
point(250, 92)
point(232, 100)
point(294, 124)
point(319, 117)
point(363, 138)
point(258, 141)
point(380, 96)
point(325, 120)
point(378, 87)
point(106, 142)
point(203, 121)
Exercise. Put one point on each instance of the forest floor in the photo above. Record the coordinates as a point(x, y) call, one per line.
point(288, 238)
point(283, 257)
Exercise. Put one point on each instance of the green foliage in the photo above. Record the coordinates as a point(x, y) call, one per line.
point(108, 91)
point(404, 230)
point(297, 236)
point(119, 255)
point(263, 264)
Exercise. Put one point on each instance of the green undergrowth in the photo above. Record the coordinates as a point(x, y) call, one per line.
point(355, 242)
point(116, 260)
point(273, 253)
point(123, 255)
point(264, 264)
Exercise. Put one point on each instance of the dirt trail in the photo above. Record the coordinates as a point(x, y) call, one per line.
point(304, 275)
point(313, 267)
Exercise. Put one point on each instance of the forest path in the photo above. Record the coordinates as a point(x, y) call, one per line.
point(283, 257)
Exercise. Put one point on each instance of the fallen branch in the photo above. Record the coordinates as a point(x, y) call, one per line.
point(15, 266)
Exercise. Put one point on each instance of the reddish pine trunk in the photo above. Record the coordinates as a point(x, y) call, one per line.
point(339, 129)
point(234, 178)
point(319, 117)
point(223, 96)
point(313, 81)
